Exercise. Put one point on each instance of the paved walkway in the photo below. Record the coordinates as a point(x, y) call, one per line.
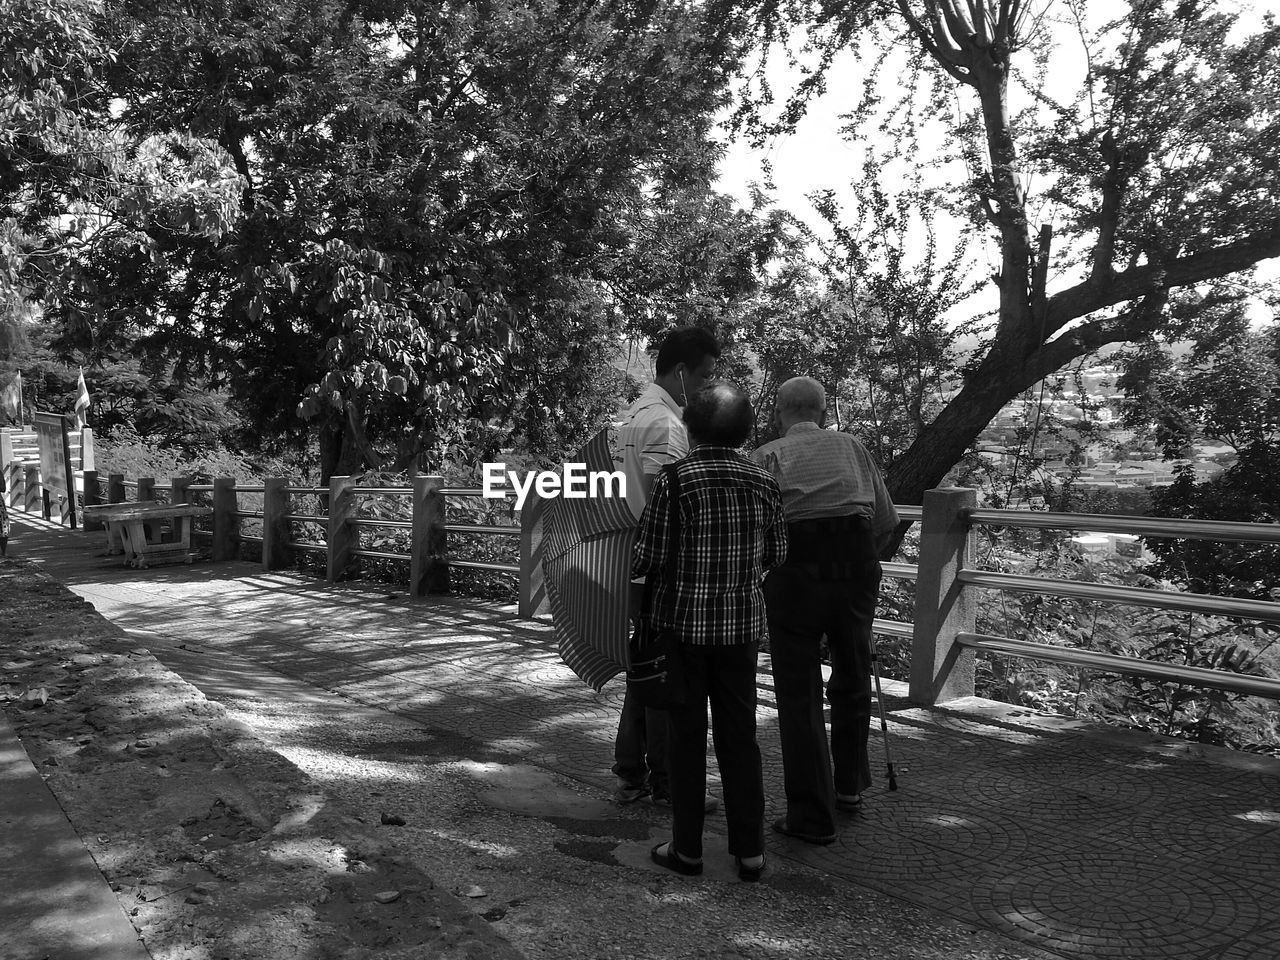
point(1060, 836)
point(51, 892)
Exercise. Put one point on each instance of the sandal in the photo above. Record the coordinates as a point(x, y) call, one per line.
point(672, 861)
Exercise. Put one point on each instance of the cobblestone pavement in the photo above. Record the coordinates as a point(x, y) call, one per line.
point(1065, 837)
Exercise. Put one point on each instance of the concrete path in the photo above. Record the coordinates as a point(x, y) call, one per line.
point(54, 902)
point(1061, 837)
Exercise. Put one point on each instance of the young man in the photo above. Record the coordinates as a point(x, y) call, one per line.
point(651, 436)
point(839, 516)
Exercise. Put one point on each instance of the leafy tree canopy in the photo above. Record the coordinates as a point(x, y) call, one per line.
point(1106, 208)
point(447, 211)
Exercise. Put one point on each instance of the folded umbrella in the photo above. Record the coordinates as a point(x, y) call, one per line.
point(586, 562)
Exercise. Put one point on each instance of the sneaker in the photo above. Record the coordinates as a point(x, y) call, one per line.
point(630, 792)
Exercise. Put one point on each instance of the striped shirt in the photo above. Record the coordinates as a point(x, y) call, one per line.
point(651, 436)
point(732, 532)
point(825, 473)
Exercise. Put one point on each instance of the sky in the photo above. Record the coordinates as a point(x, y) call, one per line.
point(816, 157)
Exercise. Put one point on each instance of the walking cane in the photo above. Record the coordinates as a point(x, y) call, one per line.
point(884, 724)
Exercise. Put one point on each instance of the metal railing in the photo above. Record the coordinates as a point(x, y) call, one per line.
point(944, 638)
point(943, 634)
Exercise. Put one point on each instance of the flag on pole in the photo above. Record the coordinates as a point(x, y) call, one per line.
point(11, 399)
point(82, 401)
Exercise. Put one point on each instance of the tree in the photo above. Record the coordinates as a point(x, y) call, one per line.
point(1226, 389)
point(443, 207)
point(1159, 174)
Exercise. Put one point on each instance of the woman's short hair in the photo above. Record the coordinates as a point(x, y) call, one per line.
point(719, 414)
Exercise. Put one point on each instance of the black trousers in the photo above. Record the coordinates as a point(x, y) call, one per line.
point(725, 677)
point(801, 609)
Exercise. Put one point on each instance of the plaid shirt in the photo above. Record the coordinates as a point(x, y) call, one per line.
point(732, 532)
point(824, 473)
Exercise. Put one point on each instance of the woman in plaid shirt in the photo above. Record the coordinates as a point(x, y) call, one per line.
point(731, 533)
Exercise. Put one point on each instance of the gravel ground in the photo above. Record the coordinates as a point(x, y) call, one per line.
point(257, 827)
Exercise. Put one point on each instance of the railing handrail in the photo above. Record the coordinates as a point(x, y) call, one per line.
point(1114, 593)
point(1131, 666)
point(945, 622)
point(958, 576)
point(1171, 528)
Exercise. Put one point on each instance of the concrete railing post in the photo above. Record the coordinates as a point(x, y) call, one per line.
point(6, 446)
point(428, 564)
point(31, 500)
point(146, 489)
point(226, 525)
point(115, 488)
point(86, 449)
point(533, 585)
point(341, 535)
point(275, 528)
point(16, 481)
point(92, 497)
point(941, 670)
point(178, 492)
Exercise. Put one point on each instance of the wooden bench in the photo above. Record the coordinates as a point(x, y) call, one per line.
point(148, 532)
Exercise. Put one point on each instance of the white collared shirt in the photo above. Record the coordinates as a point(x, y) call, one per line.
point(652, 434)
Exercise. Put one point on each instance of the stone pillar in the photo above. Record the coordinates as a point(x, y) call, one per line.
point(941, 670)
point(533, 586)
point(86, 449)
point(226, 525)
point(428, 564)
point(16, 483)
point(92, 497)
point(342, 536)
point(275, 528)
point(31, 500)
point(146, 489)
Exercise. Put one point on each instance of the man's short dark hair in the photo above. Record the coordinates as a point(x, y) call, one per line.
point(719, 414)
point(687, 345)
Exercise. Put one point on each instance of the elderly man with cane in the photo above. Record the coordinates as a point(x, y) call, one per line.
point(839, 518)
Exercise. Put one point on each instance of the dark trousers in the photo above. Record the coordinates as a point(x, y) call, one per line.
point(725, 677)
point(801, 610)
point(640, 748)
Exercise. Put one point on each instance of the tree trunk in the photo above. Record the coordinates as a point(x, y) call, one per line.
point(999, 378)
point(339, 454)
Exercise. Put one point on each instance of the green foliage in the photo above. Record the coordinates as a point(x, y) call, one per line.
point(1153, 175)
point(1245, 492)
point(1196, 713)
point(449, 212)
point(1225, 388)
point(868, 319)
point(73, 187)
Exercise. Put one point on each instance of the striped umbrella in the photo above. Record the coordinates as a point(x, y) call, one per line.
point(586, 562)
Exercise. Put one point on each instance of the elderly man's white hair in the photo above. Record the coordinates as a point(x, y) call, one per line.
point(802, 395)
